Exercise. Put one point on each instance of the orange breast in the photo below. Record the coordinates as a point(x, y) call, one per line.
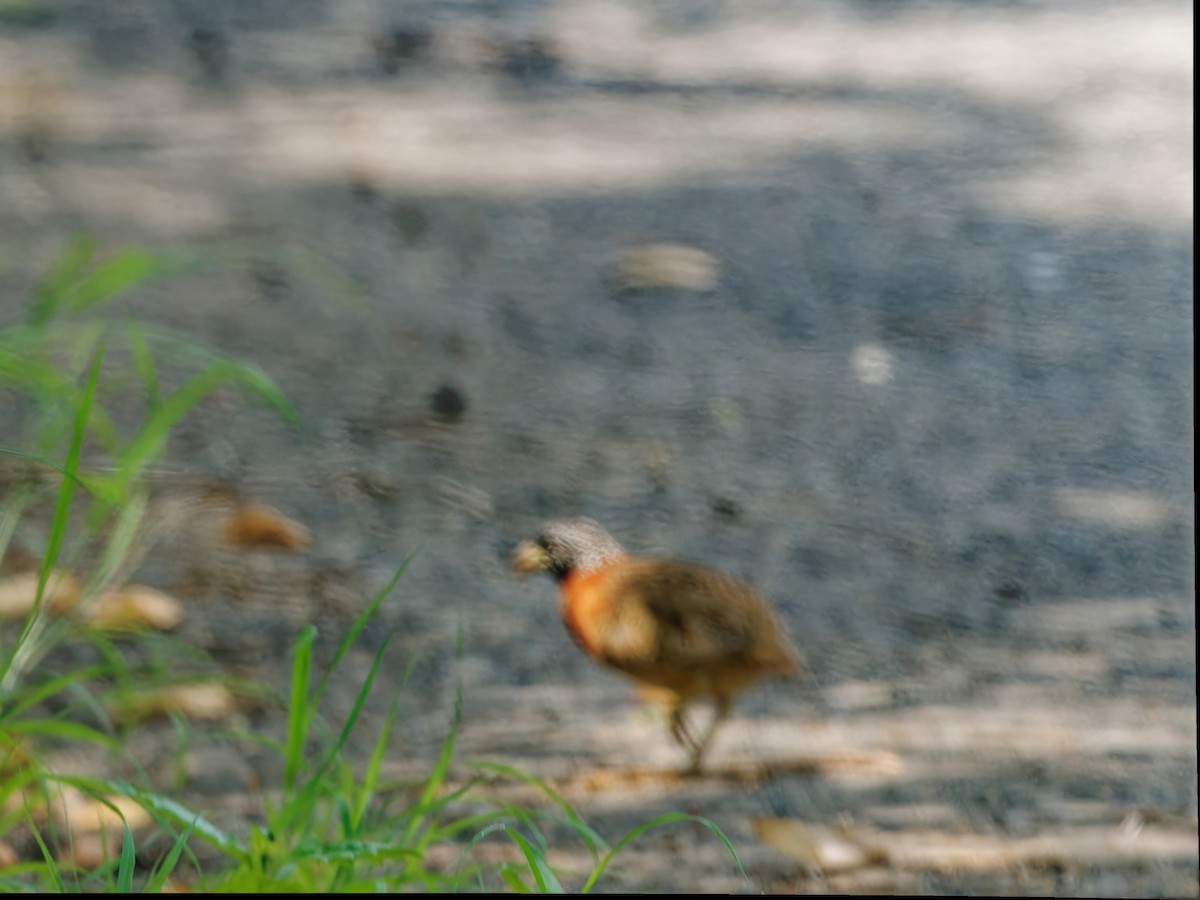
point(585, 604)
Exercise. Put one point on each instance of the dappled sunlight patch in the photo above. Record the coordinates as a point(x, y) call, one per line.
point(454, 138)
point(916, 815)
point(1118, 507)
point(858, 695)
point(872, 363)
point(1090, 617)
point(741, 772)
point(845, 848)
point(1016, 722)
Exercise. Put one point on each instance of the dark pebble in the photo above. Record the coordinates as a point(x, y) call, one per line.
point(448, 403)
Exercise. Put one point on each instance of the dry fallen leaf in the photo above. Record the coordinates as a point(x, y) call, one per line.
point(262, 526)
point(8, 856)
point(816, 847)
point(17, 593)
point(667, 266)
point(208, 702)
point(87, 815)
point(135, 606)
point(90, 851)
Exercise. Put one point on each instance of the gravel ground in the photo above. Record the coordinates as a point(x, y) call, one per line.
point(934, 396)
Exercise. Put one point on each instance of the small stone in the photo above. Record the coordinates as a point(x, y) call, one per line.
point(448, 403)
point(727, 509)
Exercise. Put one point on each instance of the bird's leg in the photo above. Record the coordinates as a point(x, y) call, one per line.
point(723, 706)
point(679, 727)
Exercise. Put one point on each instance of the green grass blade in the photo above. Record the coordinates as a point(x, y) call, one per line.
point(314, 782)
point(11, 881)
point(122, 549)
point(511, 875)
point(19, 498)
point(351, 851)
point(126, 864)
point(88, 483)
point(62, 509)
point(58, 526)
point(166, 868)
point(122, 270)
point(590, 838)
point(143, 362)
point(258, 382)
point(72, 731)
point(51, 866)
point(65, 271)
point(370, 780)
point(24, 365)
point(245, 375)
point(356, 628)
point(654, 823)
point(545, 879)
point(147, 444)
point(438, 774)
point(36, 695)
point(300, 709)
point(164, 808)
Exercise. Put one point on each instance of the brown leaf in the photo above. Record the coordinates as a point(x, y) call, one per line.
point(17, 593)
point(207, 702)
point(667, 266)
point(816, 847)
point(88, 815)
point(135, 607)
point(262, 526)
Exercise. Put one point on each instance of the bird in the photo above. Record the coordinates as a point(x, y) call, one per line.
point(679, 628)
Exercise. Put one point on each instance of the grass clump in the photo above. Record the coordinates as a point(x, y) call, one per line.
point(331, 825)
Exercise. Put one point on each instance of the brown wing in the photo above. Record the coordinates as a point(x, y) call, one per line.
point(679, 615)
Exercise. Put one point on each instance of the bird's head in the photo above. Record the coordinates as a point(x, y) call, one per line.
point(565, 546)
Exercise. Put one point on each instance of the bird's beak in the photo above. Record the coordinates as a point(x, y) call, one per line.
point(529, 557)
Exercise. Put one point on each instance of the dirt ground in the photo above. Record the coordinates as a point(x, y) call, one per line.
point(937, 403)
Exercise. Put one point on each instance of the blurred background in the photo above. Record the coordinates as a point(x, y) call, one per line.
point(883, 306)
